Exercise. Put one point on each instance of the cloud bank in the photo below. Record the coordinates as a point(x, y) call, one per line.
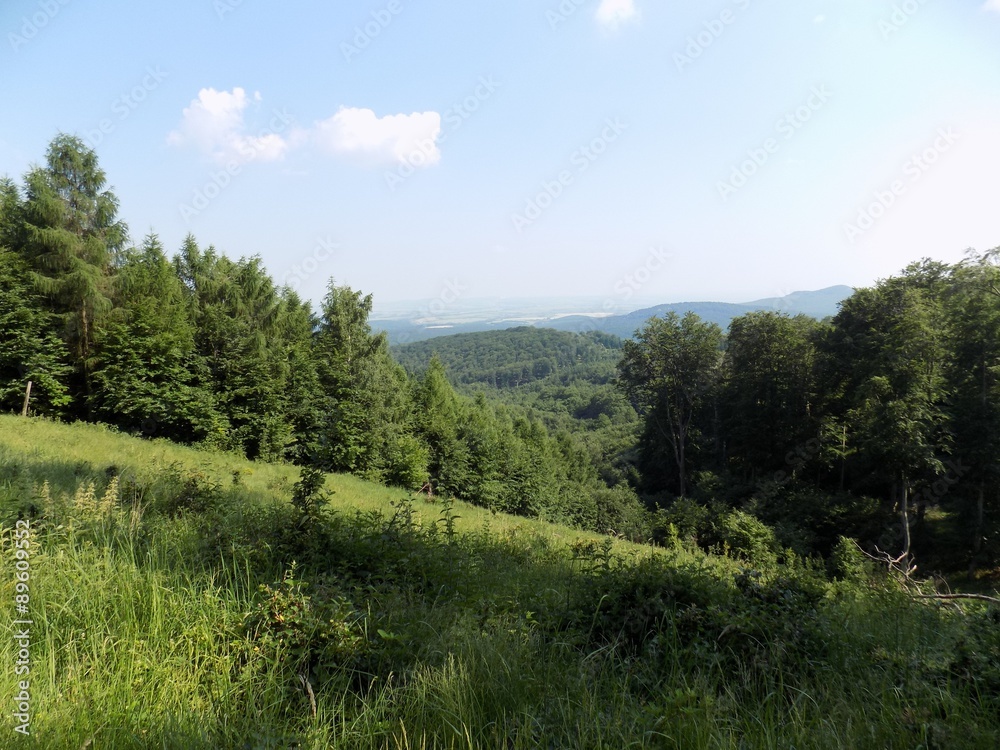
point(215, 124)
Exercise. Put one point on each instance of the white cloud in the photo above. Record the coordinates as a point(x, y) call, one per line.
point(613, 13)
point(819, 19)
point(993, 5)
point(393, 138)
point(215, 124)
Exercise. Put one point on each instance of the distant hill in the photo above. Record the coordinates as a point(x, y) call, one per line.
point(513, 357)
point(818, 304)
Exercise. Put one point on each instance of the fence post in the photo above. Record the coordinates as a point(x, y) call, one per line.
point(27, 398)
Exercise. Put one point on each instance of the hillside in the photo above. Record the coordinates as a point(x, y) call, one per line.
point(203, 601)
point(513, 357)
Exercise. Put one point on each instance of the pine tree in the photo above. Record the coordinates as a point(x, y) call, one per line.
point(72, 238)
point(29, 349)
point(147, 374)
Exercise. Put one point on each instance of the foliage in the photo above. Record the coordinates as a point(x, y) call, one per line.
point(668, 372)
point(29, 348)
point(511, 358)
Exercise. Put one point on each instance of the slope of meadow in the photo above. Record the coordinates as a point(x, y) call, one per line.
point(184, 599)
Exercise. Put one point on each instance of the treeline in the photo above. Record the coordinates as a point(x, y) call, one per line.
point(882, 424)
point(203, 349)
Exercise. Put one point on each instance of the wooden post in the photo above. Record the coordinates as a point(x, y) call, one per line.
point(27, 398)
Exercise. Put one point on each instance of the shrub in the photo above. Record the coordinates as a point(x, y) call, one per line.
point(746, 538)
point(848, 563)
point(310, 638)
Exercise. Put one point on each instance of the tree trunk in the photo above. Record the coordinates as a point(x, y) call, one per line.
point(680, 467)
point(977, 537)
point(904, 511)
point(843, 458)
point(27, 399)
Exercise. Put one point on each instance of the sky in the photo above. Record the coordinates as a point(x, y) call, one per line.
point(623, 150)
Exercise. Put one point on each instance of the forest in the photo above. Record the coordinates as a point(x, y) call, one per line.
point(242, 522)
point(773, 440)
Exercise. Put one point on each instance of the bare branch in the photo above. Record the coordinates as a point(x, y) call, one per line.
point(977, 597)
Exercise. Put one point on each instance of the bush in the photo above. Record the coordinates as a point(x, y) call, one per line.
point(746, 538)
point(848, 563)
point(690, 519)
point(309, 636)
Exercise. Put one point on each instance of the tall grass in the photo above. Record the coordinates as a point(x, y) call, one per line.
point(181, 601)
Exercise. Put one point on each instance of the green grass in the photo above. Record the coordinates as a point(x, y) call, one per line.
point(181, 601)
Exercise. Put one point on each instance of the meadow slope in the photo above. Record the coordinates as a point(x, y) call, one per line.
point(186, 599)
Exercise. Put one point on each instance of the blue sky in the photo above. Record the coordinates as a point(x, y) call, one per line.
point(699, 150)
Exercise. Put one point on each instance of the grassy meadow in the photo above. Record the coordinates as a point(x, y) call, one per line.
point(186, 599)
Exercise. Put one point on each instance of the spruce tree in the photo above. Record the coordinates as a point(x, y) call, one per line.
point(72, 238)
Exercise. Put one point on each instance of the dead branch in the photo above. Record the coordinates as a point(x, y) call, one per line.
point(977, 597)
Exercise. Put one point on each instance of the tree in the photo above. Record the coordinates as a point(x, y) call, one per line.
point(29, 350)
point(11, 215)
point(767, 389)
point(72, 238)
point(884, 367)
point(148, 376)
point(239, 314)
point(438, 409)
point(973, 312)
point(370, 429)
point(668, 372)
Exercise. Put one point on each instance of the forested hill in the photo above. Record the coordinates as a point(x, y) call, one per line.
point(511, 358)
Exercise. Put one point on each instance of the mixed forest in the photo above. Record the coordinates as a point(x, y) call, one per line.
point(774, 438)
point(252, 523)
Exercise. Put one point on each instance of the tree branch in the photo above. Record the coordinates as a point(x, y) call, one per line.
point(977, 597)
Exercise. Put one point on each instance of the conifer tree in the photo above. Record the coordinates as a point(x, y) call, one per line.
point(72, 238)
